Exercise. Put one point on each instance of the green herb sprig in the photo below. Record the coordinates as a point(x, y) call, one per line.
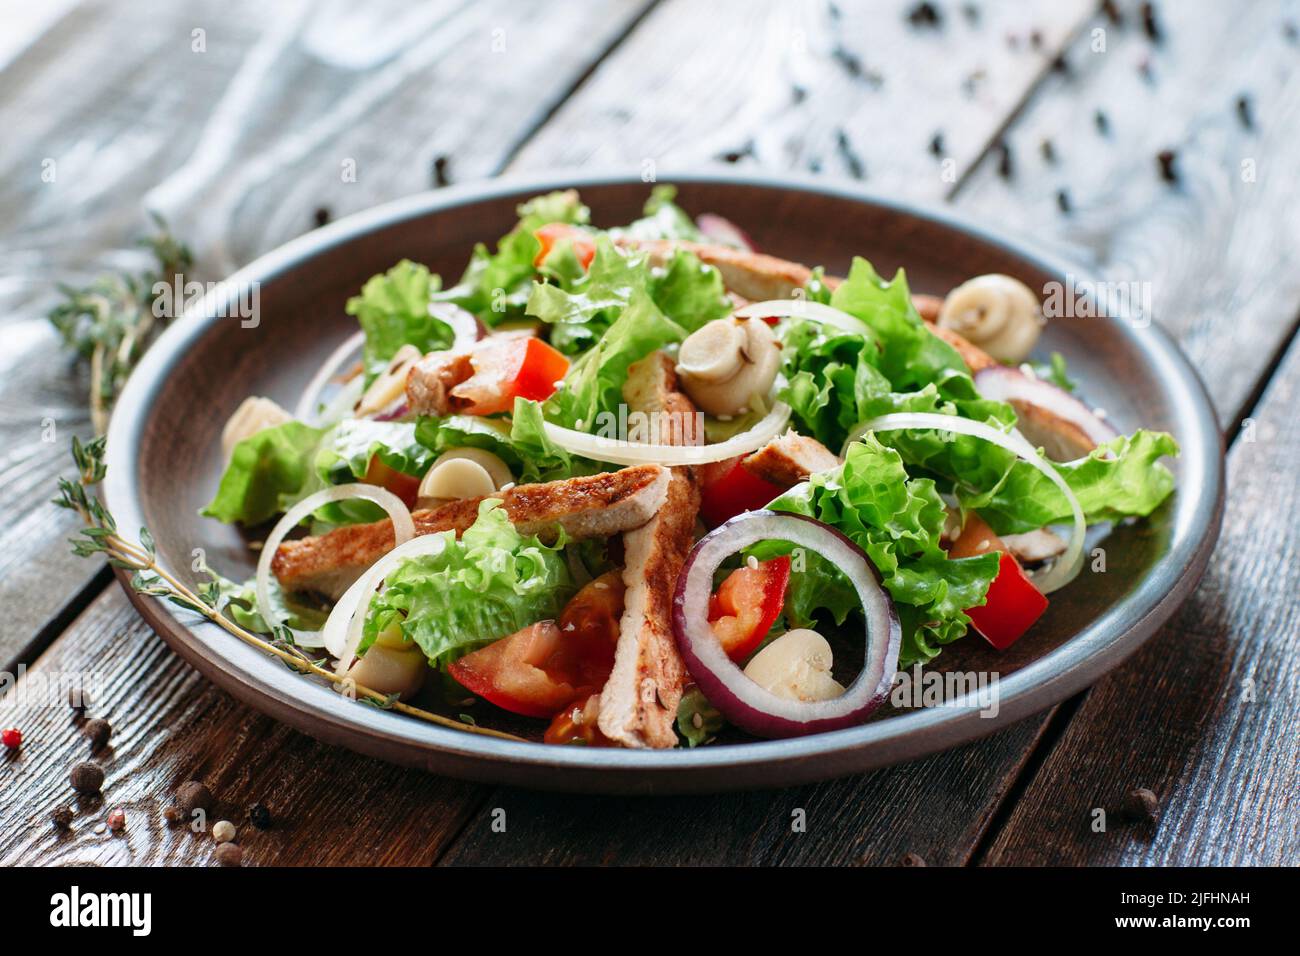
point(101, 536)
point(111, 321)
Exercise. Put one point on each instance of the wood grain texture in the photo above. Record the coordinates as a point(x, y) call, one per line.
point(873, 819)
point(238, 144)
point(1217, 248)
point(329, 806)
point(854, 90)
point(1205, 715)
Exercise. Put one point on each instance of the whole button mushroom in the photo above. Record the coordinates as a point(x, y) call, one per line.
point(725, 363)
point(999, 314)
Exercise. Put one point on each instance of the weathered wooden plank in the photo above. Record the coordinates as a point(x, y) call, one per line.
point(855, 821)
point(1217, 248)
point(852, 89)
point(239, 133)
point(1206, 715)
point(328, 806)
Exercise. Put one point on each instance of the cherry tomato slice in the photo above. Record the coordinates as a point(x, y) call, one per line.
point(735, 491)
point(747, 604)
point(1012, 604)
point(552, 233)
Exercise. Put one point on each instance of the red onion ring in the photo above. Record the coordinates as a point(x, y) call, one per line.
point(742, 701)
point(723, 230)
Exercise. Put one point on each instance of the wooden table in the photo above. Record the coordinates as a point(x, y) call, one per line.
point(233, 118)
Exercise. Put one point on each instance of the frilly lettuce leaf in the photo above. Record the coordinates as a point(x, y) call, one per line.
point(580, 312)
point(661, 218)
point(897, 521)
point(496, 285)
point(486, 585)
point(393, 310)
point(594, 382)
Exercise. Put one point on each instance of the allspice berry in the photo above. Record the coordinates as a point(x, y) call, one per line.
point(62, 816)
point(173, 816)
point(259, 816)
point(229, 854)
point(912, 859)
point(1141, 806)
point(193, 796)
point(98, 730)
point(87, 778)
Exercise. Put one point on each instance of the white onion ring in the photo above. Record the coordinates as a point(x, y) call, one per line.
point(346, 624)
point(465, 327)
point(403, 530)
point(1065, 568)
point(742, 701)
point(306, 408)
point(622, 452)
point(804, 309)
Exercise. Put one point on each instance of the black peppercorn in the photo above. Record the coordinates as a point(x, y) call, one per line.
point(1168, 171)
point(1243, 111)
point(62, 817)
point(1141, 806)
point(193, 796)
point(87, 778)
point(321, 216)
point(1062, 200)
point(936, 144)
point(259, 816)
point(1004, 159)
point(440, 171)
point(1149, 23)
point(98, 731)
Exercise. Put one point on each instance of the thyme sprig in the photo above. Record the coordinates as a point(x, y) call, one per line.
point(101, 536)
point(111, 321)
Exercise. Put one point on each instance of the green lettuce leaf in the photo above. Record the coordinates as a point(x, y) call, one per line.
point(485, 585)
point(521, 442)
point(698, 721)
point(897, 521)
point(1122, 478)
point(662, 218)
point(267, 474)
point(496, 285)
point(594, 382)
point(581, 312)
point(393, 310)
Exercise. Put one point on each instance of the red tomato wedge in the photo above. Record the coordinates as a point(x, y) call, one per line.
point(541, 669)
point(747, 605)
point(506, 368)
point(735, 491)
point(405, 486)
point(550, 234)
point(1013, 603)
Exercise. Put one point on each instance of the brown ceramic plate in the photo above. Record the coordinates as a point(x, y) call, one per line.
point(164, 464)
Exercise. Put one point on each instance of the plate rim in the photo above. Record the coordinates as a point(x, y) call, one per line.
point(1100, 646)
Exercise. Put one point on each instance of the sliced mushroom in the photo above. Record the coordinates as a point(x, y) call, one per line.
point(796, 666)
point(999, 314)
point(389, 387)
point(453, 480)
point(492, 464)
point(724, 364)
point(252, 416)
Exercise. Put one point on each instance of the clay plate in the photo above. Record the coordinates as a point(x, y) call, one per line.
point(164, 464)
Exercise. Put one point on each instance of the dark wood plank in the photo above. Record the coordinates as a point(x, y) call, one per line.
point(854, 821)
point(1217, 247)
point(1206, 716)
point(329, 806)
point(848, 89)
point(238, 144)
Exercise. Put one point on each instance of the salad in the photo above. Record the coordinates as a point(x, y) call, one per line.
point(627, 486)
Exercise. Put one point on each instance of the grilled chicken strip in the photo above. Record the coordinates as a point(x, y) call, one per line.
point(638, 707)
point(587, 507)
point(790, 459)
